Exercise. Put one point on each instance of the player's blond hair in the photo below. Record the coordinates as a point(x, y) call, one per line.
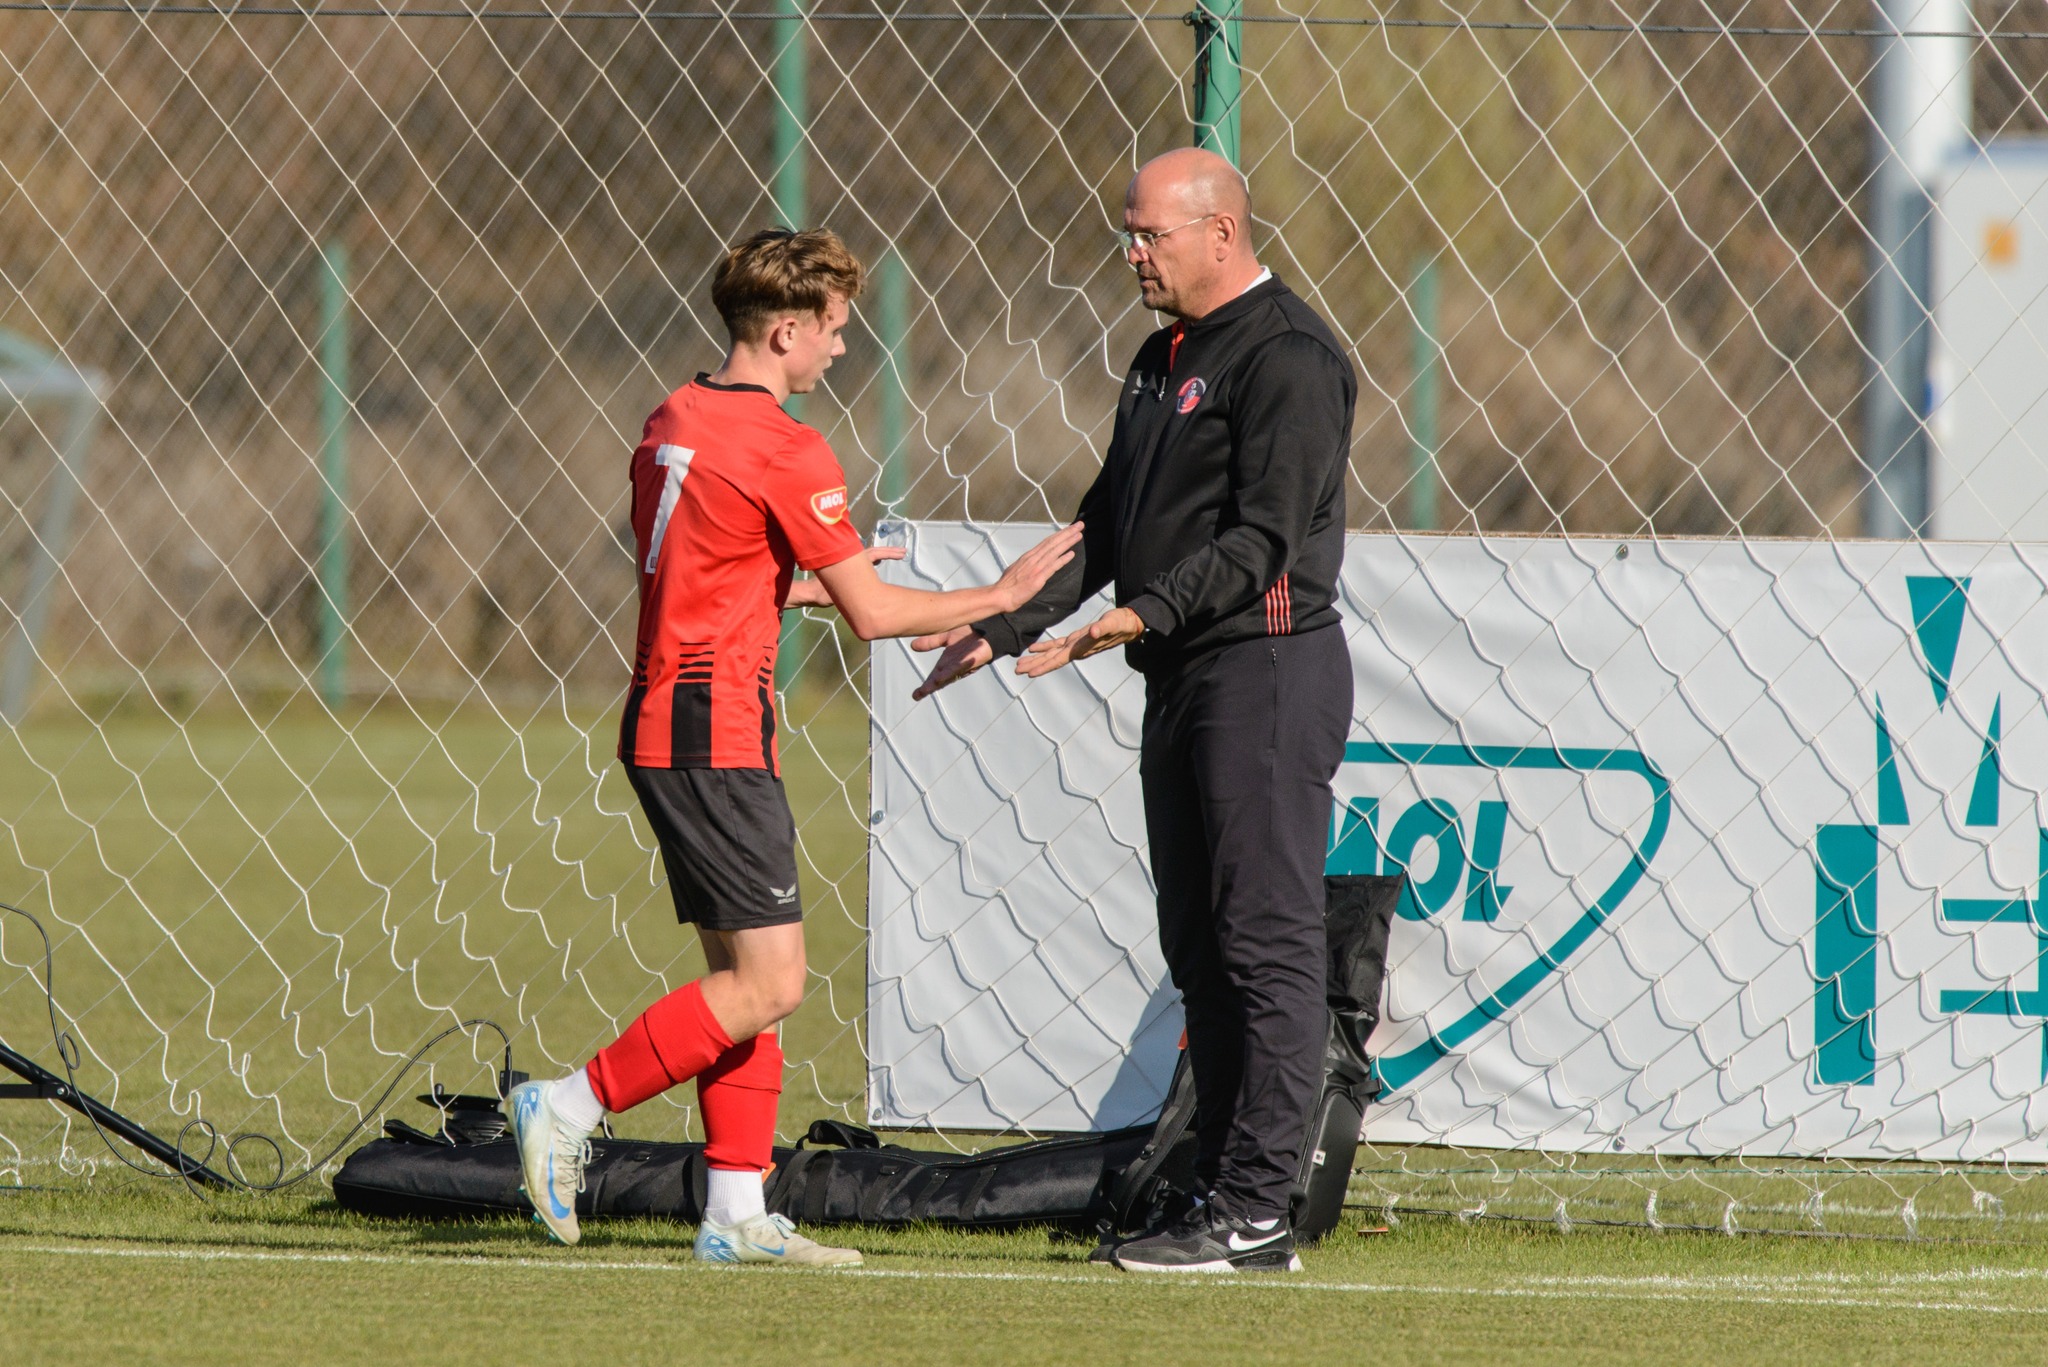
point(780, 271)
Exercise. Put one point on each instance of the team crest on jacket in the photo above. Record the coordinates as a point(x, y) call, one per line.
point(1191, 394)
point(829, 506)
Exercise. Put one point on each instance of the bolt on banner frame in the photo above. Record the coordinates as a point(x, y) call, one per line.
point(1714, 848)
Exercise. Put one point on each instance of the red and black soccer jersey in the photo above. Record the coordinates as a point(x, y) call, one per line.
point(730, 496)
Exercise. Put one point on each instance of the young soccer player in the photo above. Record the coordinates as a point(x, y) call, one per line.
point(730, 496)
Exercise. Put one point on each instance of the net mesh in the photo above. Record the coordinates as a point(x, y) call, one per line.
point(1601, 271)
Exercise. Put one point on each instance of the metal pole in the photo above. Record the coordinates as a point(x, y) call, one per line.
point(1219, 87)
point(334, 412)
point(792, 113)
point(893, 322)
point(46, 1085)
point(1422, 398)
point(1920, 112)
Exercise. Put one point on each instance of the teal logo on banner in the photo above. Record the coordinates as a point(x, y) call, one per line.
point(1846, 862)
point(1469, 877)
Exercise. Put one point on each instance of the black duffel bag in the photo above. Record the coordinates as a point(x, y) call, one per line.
point(840, 1174)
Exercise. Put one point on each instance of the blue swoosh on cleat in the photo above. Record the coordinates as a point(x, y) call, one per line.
point(555, 1202)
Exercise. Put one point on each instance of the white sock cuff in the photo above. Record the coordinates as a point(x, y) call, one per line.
point(575, 1101)
point(732, 1195)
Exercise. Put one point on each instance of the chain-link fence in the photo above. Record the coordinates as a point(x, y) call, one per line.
point(314, 753)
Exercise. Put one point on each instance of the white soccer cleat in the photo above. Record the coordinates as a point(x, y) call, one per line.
point(551, 1158)
point(767, 1239)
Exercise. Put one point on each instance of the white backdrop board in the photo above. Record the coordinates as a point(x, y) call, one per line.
point(1714, 847)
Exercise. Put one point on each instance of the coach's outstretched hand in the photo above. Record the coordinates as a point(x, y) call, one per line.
point(967, 650)
point(1117, 627)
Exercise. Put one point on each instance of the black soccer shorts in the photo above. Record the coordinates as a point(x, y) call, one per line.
point(728, 842)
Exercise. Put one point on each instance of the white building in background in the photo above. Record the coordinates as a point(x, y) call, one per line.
point(1988, 367)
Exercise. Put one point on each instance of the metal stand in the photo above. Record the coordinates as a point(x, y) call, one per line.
point(43, 1085)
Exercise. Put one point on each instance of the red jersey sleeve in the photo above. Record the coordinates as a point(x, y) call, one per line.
point(806, 495)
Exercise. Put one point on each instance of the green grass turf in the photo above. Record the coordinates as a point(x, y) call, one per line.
point(465, 857)
point(155, 1275)
point(255, 917)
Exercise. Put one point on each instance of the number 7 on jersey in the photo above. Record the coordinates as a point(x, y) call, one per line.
point(676, 460)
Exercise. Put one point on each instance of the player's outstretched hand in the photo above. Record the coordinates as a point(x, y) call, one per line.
point(1022, 581)
point(809, 593)
point(1117, 627)
point(966, 650)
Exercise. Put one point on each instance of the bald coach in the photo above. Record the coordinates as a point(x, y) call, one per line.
point(1219, 516)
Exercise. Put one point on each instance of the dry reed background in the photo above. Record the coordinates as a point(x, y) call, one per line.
point(1651, 269)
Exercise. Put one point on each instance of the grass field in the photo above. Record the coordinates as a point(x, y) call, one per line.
point(254, 921)
point(157, 1276)
point(229, 899)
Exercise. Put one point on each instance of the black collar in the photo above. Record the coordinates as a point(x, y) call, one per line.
point(1237, 308)
point(704, 378)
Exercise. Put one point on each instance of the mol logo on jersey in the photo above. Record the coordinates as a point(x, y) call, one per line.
point(830, 505)
point(1515, 855)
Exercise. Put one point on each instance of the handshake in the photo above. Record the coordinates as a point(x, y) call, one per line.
point(964, 650)
point(940, 621)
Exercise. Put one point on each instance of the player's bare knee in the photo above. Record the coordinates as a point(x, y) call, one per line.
point(771, 994)
point(785, 995)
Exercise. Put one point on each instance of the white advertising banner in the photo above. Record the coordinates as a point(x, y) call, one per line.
point(1712, 847)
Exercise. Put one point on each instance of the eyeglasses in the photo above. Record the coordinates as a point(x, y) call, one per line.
point(1144, 241)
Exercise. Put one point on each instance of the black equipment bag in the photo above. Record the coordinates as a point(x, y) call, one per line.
point(854, 1179)
point(413, 1176)
point(1061, 1182)
point(1358, 914)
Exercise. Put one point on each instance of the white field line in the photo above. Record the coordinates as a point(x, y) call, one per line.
point(1709, 1290)
point(1542, 1207)
point(1861, 1281)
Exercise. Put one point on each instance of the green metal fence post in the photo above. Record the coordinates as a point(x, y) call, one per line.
point(28, 374)
point(893, 322)
point(334, 413)
point(1219, 85)
point(1422, 398)
point(792, 113)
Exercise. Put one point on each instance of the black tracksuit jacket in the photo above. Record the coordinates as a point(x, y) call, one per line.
point(1219, 511)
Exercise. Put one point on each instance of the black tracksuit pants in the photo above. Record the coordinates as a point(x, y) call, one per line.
point(1239, 748)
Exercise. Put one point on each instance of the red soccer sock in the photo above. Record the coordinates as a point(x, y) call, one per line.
point(739, 1095)
point(673, 1041)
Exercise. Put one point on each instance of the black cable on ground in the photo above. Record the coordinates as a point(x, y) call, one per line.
point(68, 1055)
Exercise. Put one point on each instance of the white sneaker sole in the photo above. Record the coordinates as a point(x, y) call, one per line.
point(1218, 1265)
point(725, 1248)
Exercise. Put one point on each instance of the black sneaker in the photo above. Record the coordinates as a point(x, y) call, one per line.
point(1169, 1211)
point(1207, 1240)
